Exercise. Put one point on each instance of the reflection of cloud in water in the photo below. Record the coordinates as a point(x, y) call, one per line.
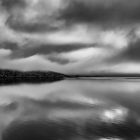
point(115, 115)
point(106, 108)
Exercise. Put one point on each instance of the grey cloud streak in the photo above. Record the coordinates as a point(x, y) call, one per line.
point(34, 48)
point(45, 49)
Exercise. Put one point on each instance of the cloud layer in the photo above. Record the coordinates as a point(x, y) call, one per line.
point(71, 36)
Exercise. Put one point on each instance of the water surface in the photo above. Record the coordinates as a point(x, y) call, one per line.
point(109, 106)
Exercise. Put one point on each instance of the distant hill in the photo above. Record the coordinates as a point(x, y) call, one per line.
point(13, 77)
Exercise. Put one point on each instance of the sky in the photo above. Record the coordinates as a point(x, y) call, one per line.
point(70, 36)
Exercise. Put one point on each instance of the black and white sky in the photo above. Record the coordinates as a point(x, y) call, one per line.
point(70, 36)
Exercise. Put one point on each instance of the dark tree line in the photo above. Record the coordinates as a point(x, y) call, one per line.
point(13, 77)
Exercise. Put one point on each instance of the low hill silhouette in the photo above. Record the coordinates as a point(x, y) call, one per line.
point(13, 76)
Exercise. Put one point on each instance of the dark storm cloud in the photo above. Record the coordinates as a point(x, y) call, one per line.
point(95, 11)
point(102, 11)
point(105, 12)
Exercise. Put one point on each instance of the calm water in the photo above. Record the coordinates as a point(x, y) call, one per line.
point(114, 101)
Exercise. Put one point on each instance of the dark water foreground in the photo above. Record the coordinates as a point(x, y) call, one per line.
point(71, 110)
